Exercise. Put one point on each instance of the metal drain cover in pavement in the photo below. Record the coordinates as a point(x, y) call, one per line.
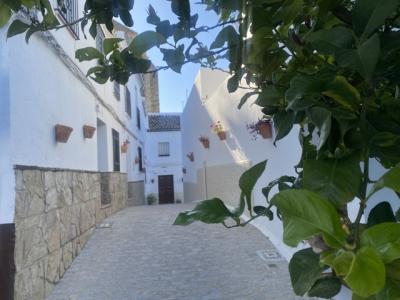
point(269, 255)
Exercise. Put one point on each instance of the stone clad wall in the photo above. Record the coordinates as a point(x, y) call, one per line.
point(56, 212)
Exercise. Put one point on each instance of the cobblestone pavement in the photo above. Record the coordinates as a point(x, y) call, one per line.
point(143, 257)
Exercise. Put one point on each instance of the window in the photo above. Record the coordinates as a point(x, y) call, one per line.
point(68, 10)
point(116, 90)
point(115, 139)
point(138, 117)
point(128, 102)
point(140, 159)
point(163, 149)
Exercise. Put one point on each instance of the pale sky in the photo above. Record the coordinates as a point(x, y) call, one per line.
point(173, 86)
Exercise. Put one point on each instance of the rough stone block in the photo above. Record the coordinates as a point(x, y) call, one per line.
point(30, 283)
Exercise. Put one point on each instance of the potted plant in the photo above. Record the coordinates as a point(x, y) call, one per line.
point(62, 133)
point(151, 199)
point(190, 156)
point(219, 130)
point(205, 141)
point(125, 146)
point(261, 127)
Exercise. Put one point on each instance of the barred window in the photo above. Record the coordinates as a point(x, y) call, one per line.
point(69, 12)
point(163, 149)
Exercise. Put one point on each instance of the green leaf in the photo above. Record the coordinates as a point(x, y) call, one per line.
point(390, 179)
point(263, 211)
point(366, 276)
point(181, 8)
point(283, 123)
point(152, 17)
point(364, 59)
point(305, 270)
point(291, 9)
point(227, 35)
point(322, 118)
point(110, 44)
point(249, 179)
point(17, 27)
point(145, 41)
point(305, 214)
point(174, 58)
point(336, 179)
point(381, 213)
point(342, 262)
point(208, 211)
point(269, 97)
point(126, 17)
point(283, 179)
point(368, 54)
point(329, 42)
point(344, 93)
point(325, 288)
point(385, 238)
point(368, 15)
point(88, 53)
point(5, 14)
point(98, 74)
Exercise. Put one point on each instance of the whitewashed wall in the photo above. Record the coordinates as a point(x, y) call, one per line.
point(39, 89)
point(164, 165)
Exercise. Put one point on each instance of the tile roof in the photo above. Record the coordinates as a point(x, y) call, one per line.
point(164, 123)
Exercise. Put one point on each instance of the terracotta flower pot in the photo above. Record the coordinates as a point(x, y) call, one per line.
point(206, 143)
point(88, 131)
point(124, 148)
point(62, 133)
point(222, 135)
point(265, 130)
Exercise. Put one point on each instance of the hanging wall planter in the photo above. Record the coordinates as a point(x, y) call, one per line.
point(222, 135)
point(190, 156)
point(62, 133)
point(219, 130)
point(88, 131)
point(125, 146)
point(261, 127)
point(205, 141)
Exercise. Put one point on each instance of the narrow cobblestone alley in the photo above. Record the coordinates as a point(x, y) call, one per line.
point(143, 257)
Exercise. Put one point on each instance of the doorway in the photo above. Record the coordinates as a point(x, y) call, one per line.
point(166, 189)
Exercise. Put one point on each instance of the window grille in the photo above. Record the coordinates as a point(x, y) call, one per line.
point(138, 117)
point(69, 12)
point(163, 149)
point(116, 155)
point(140, 159)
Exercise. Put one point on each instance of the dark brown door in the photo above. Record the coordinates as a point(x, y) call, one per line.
point(166, 189)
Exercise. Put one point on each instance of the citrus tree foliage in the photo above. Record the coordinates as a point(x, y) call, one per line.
point(329, 67)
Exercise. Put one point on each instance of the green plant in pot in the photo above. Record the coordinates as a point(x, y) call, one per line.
point(151, 199)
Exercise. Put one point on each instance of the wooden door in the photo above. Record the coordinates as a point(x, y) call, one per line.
point(166, 189)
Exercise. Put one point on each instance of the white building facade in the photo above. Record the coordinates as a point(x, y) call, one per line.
point(164, 173)
point(215, 171)
point(72, 153)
